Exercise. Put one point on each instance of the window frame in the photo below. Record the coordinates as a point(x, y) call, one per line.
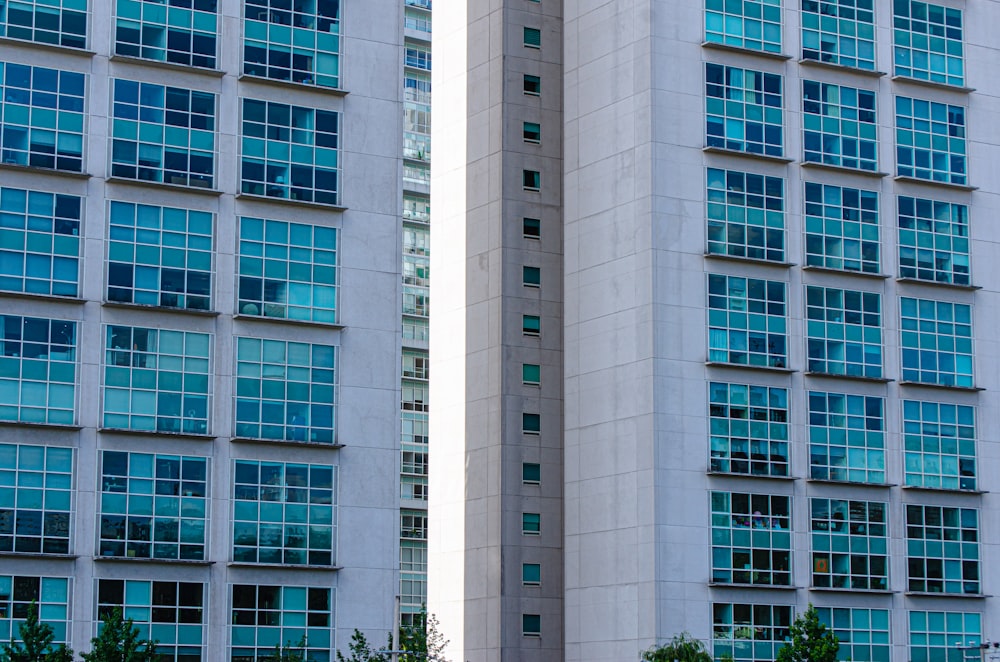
point(56, 482)
point(310, 141)
point(846, 117)
point(212, 63)
point(863, 218)
point(139, 505)
point(730, 208)
point(922, 226)
point(135, 358)
point(749, 432)
point(842, 549)
point(269, 255)
point(118, 167)
point(839, 60)
point(854, 434)
point(287, 497)
point(30, 215)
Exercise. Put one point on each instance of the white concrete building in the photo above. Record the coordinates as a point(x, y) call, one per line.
point(200, 294)
point(764, 326)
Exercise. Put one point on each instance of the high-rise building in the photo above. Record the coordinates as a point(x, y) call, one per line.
point(414, 402)
point(200, 339)
point(713, 294)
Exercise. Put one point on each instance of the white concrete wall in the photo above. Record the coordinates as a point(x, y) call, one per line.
point(369, 305)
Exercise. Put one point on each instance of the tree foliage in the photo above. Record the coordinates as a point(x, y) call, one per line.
point(811, 641)
point(290, 653)
point(118, 641)
point(682, 648)
point(36, 642)
point(423, 640)
point(361, 650)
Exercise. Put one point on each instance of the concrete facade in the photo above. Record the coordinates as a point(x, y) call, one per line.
point(640, 464)
point(364, 574)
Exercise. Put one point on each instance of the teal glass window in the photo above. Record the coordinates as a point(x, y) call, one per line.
point(418, 57)
point(927, 42)
point(419, 21)
point(839, 125)
point(294, 41)
point(531, 524)
point(531, 423)
point(416, 116)
point(746, 215)
point(56, 22)
point(170, 613)
point(50, 596)
point(936, 636)
point(531, 574)
point(750, 632)
point(933, 240)
point(936, 340)
point(531, 625)
point(942, 550)
point(531, 473)
point(416, 302)
point(850, 544)
point(284, 513)
point(753, 24)
point(531, 276)
point(844, 332)
point(416, 209)
point(531, 374)
point(748, 428)
point(532, 37)
point(743, 110)
point(42, 117)
point(839, 32)
point(846, 437)
point(39, 242)
point(531, 325)
point(412, 596)
point(153, 506)
point(157, 380)
point(532, 85)
point(531, 180)
point(930, 141)
point(413, 524)
point(163, 134)
point(751, 541)
point(842, 228)
point(531, 228)
point(746, 321)
point(264, 617)
point(37, 370)
point(286, 391)
point(414, 399)
point(863, 633)
point(160, 256)
point(287, 270)
point(36, 496)
point(177, 31)
point(939, 445)
point(413, 474)
point(531, 132)
point(290, 152)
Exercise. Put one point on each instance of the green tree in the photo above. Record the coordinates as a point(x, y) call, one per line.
point(811, 641)
point(361, 650)
point(36, 642)
point(118, 641)
point(290, 653)
point(422, 640)
point(683, 648)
